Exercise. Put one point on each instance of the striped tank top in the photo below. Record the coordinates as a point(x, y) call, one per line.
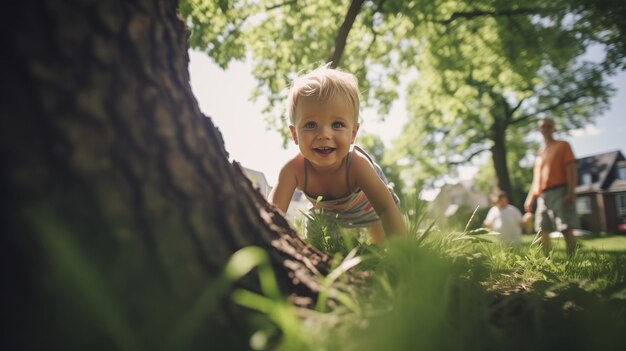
point(353, 210)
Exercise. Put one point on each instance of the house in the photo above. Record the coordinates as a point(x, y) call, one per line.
point(298, 204)
point(453, 196)
point(601, 192)
point(258, 180)
point(298, 200)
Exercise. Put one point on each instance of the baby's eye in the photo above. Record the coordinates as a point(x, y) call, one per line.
point(338, 125)
point(310, 125)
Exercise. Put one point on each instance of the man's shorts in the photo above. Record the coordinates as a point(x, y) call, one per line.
point(552, 213)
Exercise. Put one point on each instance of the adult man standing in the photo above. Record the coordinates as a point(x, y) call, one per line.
point(554, 183)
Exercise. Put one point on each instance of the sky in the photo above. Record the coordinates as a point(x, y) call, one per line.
point(224, 95)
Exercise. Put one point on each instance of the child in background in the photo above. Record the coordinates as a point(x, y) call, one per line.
point(323, 111)
point(505, 219)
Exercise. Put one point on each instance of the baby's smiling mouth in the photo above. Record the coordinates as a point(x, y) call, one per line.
point(324, 150)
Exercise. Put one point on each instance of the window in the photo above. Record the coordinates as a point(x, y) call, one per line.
point(621, 172)
point(586, 178)
point(620, 201)
point(583, 205)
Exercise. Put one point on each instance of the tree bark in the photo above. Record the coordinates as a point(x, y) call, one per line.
point(499, 158)
point(109, 162)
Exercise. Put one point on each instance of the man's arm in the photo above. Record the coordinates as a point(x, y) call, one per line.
point(571, 175)
point(530, 199)
point(534, 187)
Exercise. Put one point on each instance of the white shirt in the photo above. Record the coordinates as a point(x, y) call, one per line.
point(506, 221)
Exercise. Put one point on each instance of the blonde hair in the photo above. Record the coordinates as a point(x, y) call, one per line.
point(324, 83)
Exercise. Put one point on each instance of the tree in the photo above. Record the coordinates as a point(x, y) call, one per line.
point(604, 22)
point(510, 59)
point(482, 95)
point(120, 207)
point(284, 38)
point(520, 171)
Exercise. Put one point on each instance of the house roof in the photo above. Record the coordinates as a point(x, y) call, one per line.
point(600, 166)
point(259, 176)
point(471, 195)
point(258, 180)
point(617, 185)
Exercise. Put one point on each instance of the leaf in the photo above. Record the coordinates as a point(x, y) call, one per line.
point(550, 275)
point(479, 231)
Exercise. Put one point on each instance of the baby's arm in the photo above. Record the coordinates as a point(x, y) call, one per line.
point(518, 216)
point(282, 193)
point(378, 195)
point(489, 218)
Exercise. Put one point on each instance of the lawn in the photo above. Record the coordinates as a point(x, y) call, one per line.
point(604, 243)
point(610, 242)
point(467, 291)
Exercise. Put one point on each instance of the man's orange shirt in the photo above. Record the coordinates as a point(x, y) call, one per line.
point(550, 167)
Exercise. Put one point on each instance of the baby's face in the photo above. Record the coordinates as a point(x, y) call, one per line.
point(502, 202)
point(324, 130)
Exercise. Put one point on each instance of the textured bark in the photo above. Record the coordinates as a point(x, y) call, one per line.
point(104, 146)
point(499, 158)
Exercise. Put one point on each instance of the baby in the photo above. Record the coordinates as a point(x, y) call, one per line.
point(505, 219)
point(323, 109)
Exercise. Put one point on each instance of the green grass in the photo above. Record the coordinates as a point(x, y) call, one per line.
point(610, 242)
point(437, 289)
point(451, 290)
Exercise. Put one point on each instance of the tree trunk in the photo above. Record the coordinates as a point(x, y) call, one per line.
point(499, 158)
point(118, 197)
point(342, 35)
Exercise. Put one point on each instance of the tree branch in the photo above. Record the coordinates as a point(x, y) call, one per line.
point(469, 158)
point(281, 4)
point(519, 104)
point(496, 13)
point(561, 101)
point(342, 36)
point(375, 34)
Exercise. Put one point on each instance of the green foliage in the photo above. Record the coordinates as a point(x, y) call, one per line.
point(520, 171)
point(323, 232)
point(464, 290)
point(486, 69)
point(459, 291)
point(84, 284)
point(95, 302)
point(436, 289)
point(271, 302)
point(217, 27)
point(484, 83)
point(603, 21)
point(609, 243)
point(416, 217)
point(466, 217)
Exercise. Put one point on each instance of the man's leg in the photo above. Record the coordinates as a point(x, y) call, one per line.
point(570, 241)
point(544, 224)
point(546, 244)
